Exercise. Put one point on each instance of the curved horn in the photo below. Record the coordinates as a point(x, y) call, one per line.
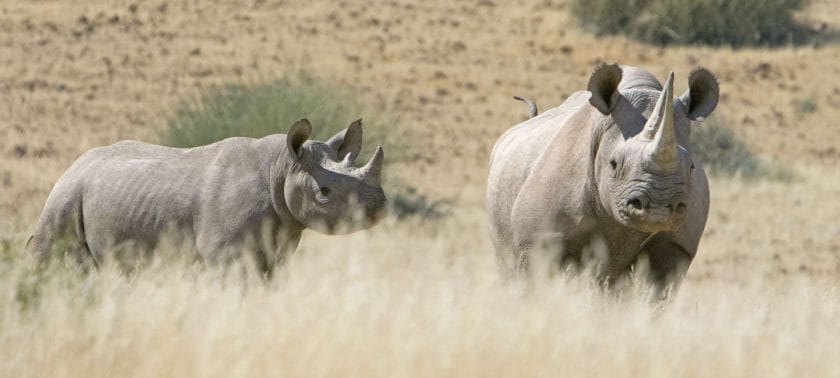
point(660, 127)
point(348, 159)
point(371, 171)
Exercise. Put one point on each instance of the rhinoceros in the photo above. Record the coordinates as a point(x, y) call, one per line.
point(609, 167)
point(263, 192)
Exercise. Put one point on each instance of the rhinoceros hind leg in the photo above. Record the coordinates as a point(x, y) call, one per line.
point(60, 232)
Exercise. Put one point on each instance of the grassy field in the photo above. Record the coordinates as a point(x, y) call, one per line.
point(414, 296)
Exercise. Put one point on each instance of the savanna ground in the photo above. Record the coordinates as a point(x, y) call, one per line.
point(419, 296)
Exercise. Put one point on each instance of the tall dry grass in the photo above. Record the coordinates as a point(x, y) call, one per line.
point(415, 298)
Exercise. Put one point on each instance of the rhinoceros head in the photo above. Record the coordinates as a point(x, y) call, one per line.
point(324, 190)
point(643, 166)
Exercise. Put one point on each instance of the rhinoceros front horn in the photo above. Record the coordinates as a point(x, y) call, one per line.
point(371, 171)
point(659, 129)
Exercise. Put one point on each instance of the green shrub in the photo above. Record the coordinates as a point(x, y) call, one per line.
point(270, 107)
point(807, 105)
point(714, 22)
point(723, 153)
point(410, 203)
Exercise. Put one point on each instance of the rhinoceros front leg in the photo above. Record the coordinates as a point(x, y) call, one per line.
point(537, 246)
point(286, 242)
point(526, 241)
point(667, 263)
point(276, 241)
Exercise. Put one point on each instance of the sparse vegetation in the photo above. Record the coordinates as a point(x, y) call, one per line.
point(270, 107)
point(408, 203)
point(723, 153)
point(714, 22)
point(806, 105)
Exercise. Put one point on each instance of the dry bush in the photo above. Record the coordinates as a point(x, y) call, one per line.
point(269, 107)
point(723, 153)
point(713, 22)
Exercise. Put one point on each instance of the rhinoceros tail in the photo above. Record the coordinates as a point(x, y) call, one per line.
point(532, 106)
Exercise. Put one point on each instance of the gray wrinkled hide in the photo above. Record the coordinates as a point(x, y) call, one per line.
point(263, 192)
point(609, 167)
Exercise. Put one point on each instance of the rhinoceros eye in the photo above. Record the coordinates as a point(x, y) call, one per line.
point(613, 164)
point(324, 191)
point(692, 166)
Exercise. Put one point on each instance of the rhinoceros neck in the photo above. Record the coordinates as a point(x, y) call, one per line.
point(275, 177)
point(602, 133)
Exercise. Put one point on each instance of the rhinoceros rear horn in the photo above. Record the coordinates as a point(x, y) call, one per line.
point(702, 95)
point(347, 142)
point(298, 134)
point(371, 172)
point(604, 87)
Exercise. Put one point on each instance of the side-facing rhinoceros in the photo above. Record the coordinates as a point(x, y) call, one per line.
point(261, 191)
point(611, 165)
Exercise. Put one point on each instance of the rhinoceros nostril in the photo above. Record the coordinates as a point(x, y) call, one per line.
point(636, 204)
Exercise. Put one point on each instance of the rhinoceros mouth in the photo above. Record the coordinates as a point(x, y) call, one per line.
point(643, 216)
point(359, 219)
point(651, 226)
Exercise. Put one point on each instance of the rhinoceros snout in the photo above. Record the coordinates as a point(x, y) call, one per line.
point(648, 215)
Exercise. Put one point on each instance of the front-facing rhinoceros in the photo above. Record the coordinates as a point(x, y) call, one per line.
point(263, 192)
point(611, 167)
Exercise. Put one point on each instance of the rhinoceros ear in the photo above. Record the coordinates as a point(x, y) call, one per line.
point(701, 98)
point(298, 134)
point(604, 87)
point(348, 141)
